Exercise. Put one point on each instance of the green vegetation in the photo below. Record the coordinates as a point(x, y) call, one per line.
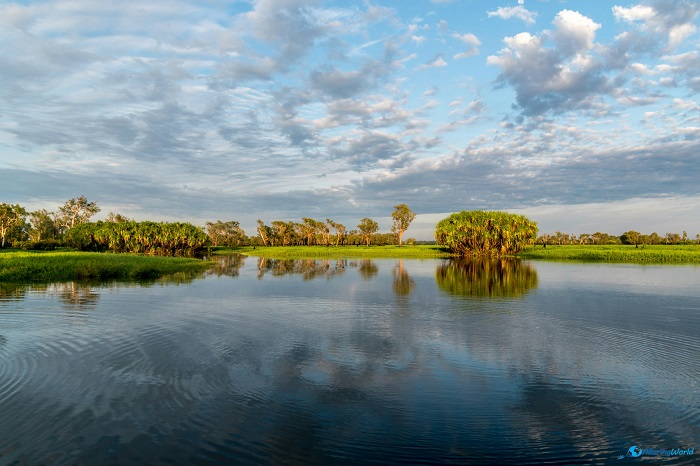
point(375, 252)
point(10, 217)
point(658, 254)
point(38, 267)
point(402, 217)
point(163, 239)
point(483, 234)
point(473, 234)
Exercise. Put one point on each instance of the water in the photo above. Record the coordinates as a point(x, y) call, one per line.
point(355, 361)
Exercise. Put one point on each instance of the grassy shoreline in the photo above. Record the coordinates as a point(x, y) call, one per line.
point(339, 252)
point(656, 254)
point(43, 267)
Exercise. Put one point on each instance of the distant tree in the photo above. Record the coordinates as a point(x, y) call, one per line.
point(367, 228)
point(265, 232)
point(326, 231)
point(402, 216)
point(117, 218)
point(76, 211)
point(225, 233)
point(339, 230)
point(631, 237)
point(310, 228)
point(10, 217)
point(672, 238)
point(655, 238)
point(283, 232)
point(42, 225)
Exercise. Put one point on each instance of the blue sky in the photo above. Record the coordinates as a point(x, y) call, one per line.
point(581, 114)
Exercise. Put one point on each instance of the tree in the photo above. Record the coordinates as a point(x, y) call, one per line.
point(339, 230)
point(76, 211)
point(117, 218)
point(311, 227)
point(402, 216)
point(225, 233)
point(631, 237)
point(264, 231)
point(367, 228)
point(480, 233)
point(42, 225)
point(10, 217)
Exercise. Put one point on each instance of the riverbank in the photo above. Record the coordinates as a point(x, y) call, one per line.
point(656, 254)
point(339, 252)
point(37, 267)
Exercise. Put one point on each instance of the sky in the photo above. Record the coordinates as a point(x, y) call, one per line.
point(582, 115)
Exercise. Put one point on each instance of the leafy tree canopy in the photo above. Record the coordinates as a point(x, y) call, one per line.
point(483, 233)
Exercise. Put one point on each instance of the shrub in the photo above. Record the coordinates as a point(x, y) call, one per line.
point(163, 239)
point(39, 245)
point(482, 233)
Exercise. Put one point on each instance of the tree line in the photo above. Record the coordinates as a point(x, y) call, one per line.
point(311, 232)
point(465, 233)
point(70, 225)
point(630, 237)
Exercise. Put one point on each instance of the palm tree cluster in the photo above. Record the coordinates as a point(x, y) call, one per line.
point(483, 233)
point(163, 239)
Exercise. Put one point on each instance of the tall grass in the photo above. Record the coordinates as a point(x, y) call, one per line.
point(33, 267)
point(656, 254)
point(340, 252)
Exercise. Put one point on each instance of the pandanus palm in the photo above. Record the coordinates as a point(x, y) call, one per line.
point(485, 233)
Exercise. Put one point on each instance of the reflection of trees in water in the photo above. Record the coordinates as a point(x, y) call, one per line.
point(403, 283)
point(12, 292)
point(76, 295)
point(229, 265)
point(486, 278)
point(368, 269)
point(309, 269)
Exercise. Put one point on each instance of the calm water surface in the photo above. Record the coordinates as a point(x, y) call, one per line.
point(355, 361)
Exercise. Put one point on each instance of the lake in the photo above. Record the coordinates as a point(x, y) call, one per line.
point(356, 361)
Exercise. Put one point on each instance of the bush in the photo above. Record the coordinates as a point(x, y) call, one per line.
point(482, 233)
point(39, 245)
point(163, 239)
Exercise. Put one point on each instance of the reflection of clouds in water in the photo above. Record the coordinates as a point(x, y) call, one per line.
point(307, 370)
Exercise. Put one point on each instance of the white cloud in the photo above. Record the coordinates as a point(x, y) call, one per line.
point(437, 62)
point(517, 12)
point(672, 21)
point(471, 41)
point(574, 32)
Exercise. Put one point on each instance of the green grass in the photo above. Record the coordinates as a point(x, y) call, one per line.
point(339, 252)
point(37, 267)
point(657, 254)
